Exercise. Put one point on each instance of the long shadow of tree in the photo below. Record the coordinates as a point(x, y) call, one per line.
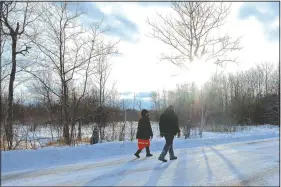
point(160, 168)
point(181, 169)
point(231, 166)
point(210, 173)
point(157, 171)
point(115, 175)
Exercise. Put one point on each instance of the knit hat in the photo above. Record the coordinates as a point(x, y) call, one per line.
point(144, 112)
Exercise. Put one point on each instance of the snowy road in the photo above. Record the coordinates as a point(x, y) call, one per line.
point(243, 163)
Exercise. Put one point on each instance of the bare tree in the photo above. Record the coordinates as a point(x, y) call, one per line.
point(103, 70)
point(191, 32)
point(114, 105)
point(135, 104)
point(123, 105)
point(155, 96)
point(72, 51)
point(41, 92)
point(1, 51)
point(15, 28)
point(164, 102)
point(267, 68)
point(274, 81)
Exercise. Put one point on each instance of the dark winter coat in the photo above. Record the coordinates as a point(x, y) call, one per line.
point(144, 129)
point(169, 123)
point(95, 136)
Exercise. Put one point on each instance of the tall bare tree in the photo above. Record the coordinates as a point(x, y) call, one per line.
point(15, 19)
point(267, 68)
point(1, 51)
point(72, 51)
point(103, 70)
point(155, 96)
point(191, 33)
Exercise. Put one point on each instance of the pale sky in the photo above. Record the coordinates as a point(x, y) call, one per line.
point(139, 69)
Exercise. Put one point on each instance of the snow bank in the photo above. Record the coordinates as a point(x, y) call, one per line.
point(51, 157)
point(273, 180)
point(44, 134)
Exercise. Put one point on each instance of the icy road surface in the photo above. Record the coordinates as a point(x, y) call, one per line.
point(243, 163)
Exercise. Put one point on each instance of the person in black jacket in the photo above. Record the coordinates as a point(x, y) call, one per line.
point(95, 136)
point(169, 127)
point(144, 133)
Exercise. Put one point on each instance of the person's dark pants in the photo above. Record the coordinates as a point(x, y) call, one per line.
point(168, 146)
point(146, 148)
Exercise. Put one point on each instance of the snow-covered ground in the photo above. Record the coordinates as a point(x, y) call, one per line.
point(248, 157)
point(44, 134)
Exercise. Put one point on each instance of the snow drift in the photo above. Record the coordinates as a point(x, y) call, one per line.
point(20, 160)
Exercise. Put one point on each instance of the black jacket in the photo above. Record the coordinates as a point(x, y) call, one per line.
point(169, 123)
point(144, 129)
point(95, 136)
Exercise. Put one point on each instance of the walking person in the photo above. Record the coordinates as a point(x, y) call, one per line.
point(144, 134)
point(169, 127)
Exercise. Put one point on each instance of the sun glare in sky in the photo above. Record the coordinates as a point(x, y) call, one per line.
point(198, 72)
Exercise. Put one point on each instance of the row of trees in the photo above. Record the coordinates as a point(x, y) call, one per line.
point(193, 32)
point(46, 50)
point(249, 97)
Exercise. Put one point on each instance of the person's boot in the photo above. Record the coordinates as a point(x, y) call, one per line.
point(137, 154)
point(163, 154)
point(172, 154)
point(148, 154)
point(162, 159)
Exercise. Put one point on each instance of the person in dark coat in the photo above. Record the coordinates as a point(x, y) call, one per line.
point(95, 136)
point(169, 127)
point(144, 133)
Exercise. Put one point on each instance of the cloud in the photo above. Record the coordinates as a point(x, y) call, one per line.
point(147, 99)
point(143, 97)
point(138, 95)
point(257, 47)
point(264, 12)
point(143, 94)
point(145, 104)
point(156, 4)
point(124, 28)
point(88, 8)
point(127, 95)
point(120, 26)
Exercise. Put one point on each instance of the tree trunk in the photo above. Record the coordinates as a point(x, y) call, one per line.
point(113, 131)
point(202, 125)
point(72, 133)
point(1, 117)
point(65, 115)
point(79, 130)
point(9, 128)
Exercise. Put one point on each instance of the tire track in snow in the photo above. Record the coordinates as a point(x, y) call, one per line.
point(180, 168)
point(63, 169)
point(258, 179)
point(245, 164)
point(230, 150)
point(172, 170)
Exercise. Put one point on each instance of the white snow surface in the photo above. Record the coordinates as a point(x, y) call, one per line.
point(242, 158)
point(46, 133)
